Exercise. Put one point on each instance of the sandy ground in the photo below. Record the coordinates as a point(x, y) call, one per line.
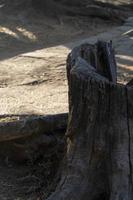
point(35, 82)
point(33, 52)
point(118, 2)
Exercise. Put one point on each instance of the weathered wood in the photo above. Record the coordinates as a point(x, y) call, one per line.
point(100, 58)
point(130, 131)
point(26, 126)
point(99, 158)
point(107, 64)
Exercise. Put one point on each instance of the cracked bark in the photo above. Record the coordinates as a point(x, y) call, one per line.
point(99, 158)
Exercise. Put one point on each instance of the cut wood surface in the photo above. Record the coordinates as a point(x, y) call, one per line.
point(99, 157)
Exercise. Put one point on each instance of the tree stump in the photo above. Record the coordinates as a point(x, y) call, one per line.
point(99, 158)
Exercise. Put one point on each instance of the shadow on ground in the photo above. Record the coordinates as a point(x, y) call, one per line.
point(25, 30)
point(29, 166)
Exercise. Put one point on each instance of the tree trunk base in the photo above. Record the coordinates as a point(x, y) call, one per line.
point(99, 157)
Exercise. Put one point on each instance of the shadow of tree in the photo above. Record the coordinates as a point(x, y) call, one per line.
point(18, 37)
point(22, 29)
point(29, 166)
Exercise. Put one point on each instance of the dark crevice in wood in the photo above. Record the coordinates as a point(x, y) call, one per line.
point(102, 196)
point(129, 135)
point(100, 58)
point(106, 65)
point(108, 139)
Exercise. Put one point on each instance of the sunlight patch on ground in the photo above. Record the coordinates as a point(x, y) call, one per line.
point(26, 33)
point(8, 31)
point(124, 66)
point(118, 2)
point(125, 57)
point(19, 33)
point(129, 33)
point(125, 62)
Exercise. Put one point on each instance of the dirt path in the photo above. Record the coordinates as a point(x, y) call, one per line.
point(35, 82)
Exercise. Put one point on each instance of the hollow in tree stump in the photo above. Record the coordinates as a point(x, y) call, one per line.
point(99, 157)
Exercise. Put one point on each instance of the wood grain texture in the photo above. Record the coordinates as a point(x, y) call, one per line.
point(99, 157)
